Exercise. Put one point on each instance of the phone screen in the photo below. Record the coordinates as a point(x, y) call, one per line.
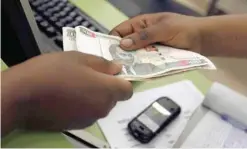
point(157, 113)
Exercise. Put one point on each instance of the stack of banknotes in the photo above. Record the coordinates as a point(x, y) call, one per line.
point(140, 64)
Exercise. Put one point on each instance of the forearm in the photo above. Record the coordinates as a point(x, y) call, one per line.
point(224, 35)
point(13, 96)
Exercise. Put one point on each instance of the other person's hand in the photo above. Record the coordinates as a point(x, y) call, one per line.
point(64, 90)
point(170, 29)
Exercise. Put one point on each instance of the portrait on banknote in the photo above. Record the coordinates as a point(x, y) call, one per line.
point(132, 63)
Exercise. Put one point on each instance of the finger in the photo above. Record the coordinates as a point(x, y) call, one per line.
point(119, 88)
point(122, 29)
point(130, 26)
point(142, 38)
point(102, 65)
point(122, 88)
point(94, 62)
point(115, 33)
point(139, 25)
point(115, 87)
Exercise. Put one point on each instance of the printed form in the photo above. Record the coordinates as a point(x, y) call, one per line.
point(114, 126)
point(213, 132)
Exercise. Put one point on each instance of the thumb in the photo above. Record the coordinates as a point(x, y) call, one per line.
point(102, 65)
point(141, 38)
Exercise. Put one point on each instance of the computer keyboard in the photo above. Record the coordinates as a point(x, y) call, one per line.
point(52, 15)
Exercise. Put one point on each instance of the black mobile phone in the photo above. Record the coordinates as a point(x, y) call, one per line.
point(146, 125)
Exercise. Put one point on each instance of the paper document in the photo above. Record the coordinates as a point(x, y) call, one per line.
point(225, 125)
point(223, 100)
point(114, 126)
point(152, 61)
point(213, 132)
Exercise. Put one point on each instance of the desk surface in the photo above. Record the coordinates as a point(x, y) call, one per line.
point(201, 82)
point(109, 17)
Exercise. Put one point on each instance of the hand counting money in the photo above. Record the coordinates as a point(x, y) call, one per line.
point(149, 62)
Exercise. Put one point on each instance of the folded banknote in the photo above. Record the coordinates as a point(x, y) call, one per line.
point(149, 62)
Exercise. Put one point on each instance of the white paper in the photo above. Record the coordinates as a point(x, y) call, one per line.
point(114, 126)
point(213, 132)
point(224, 100)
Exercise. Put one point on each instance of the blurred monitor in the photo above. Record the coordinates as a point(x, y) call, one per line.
point(19, 32)
point(33, 27)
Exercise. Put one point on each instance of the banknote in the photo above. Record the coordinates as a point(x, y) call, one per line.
point(69, 39)
point(152, 61)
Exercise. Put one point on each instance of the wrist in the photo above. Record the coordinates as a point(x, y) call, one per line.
point(204, 29)
point(16, 92)
point(196, 41)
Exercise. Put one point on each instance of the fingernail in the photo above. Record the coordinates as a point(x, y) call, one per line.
point(127, 42)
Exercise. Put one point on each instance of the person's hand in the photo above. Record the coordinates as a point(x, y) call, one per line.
point(170, 29)
point(66, 90)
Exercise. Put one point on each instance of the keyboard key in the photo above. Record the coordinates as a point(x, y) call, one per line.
point(38, 18)
point(69, 19)
point(71, 7)
point(56, 15)
point(63, 20)
point(64, 1)
point(73, 14)
point(85, 23)
point(51, 10)
point(54, 19)
point(51, 4)
point(41, 8)
point(46, 1)
point(69, 25)
point(59, 24)
point(79, 18)
point(59, 8)
point(76, 23)
point(44, 24)
point(56, 9)
point(63, 13)
point(51, 32)
point(61, 5)
point(55, 1)
point(47, 14)
point(45, 6)
point(59, 41)
point(36, 3)
point(92, 28)
point(67, 9)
